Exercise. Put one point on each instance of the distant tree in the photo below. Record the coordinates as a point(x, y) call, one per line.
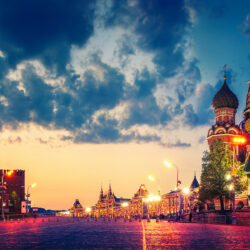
point(216, 164)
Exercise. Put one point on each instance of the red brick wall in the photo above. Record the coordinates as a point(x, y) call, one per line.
point(15, 182)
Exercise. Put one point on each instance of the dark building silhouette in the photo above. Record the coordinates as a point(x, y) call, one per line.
point(14, 190)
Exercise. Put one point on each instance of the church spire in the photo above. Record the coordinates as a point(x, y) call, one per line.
point(101, 194)
point(194, 183)
point(110, 190)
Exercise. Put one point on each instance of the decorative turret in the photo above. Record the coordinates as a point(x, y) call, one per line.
point(110, 191)
point(225, 104)
point(101, 194)
point(77, 209)
point(195, 184)
point(225, 98)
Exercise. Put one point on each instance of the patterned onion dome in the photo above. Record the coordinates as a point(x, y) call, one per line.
point(225, 98)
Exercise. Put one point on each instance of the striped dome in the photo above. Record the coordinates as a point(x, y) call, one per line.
point(225, 98)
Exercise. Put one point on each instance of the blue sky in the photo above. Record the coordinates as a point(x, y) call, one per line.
point(119, 72)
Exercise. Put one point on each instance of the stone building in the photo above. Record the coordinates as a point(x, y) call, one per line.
point(77, 209)
point(14, 190)
point(137, 206)
point(108, 205)
point(171, 203)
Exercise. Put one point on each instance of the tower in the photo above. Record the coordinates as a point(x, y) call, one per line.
point(101, 194)
point(195, 184)
point(110, 191)
point(246, 127)
point(246, 130)
point(225, 104)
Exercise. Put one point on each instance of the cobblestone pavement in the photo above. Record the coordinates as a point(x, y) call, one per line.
point(68, 233)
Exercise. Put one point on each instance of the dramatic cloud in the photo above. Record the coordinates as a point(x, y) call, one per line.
point(44, 29)
point(101, 98)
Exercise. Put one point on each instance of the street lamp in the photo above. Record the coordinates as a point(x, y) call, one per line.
point(237, 140)
point(28, 195)
point(88, 210)
point(170, 165)
point(151, 178)
point(8, 174)
point(186, 190)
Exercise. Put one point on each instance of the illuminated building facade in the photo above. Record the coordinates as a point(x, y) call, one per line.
point(109, 205)
point(77, 209)
point(171, 203)
point(14, 190)
point(137, 206)
point(179, 202)
point(225, 104)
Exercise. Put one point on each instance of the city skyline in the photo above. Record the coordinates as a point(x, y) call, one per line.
point(103, 92)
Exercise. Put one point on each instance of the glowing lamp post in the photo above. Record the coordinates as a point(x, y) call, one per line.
point(28, 195)
point(169, 165)
point(88, 210)
point(8, 174)
point(237, 140)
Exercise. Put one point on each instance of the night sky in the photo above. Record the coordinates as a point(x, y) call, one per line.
point(93, 92)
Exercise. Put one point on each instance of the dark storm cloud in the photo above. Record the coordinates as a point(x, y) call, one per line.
point(36, 100)
point(32, 103)
point(160, 27)
point(93, 94)
point(143, 108)
point(44, 29)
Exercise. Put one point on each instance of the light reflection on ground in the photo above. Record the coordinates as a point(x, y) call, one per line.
point(69, 233)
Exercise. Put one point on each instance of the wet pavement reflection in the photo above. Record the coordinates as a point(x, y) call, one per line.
point(73, 233)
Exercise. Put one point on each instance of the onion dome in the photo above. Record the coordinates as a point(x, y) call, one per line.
point(225, 98)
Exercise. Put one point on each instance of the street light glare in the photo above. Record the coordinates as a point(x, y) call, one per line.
point(228, 177)
point(9, 173)
point(124, 204)
point(33, 185)
point(152, 197)
point(88, 209)
point(151, 178)
point(167, 164)
point(186, 190)
point(239, 140)
point(230, 187)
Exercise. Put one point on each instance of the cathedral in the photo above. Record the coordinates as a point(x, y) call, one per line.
point(225, 104)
